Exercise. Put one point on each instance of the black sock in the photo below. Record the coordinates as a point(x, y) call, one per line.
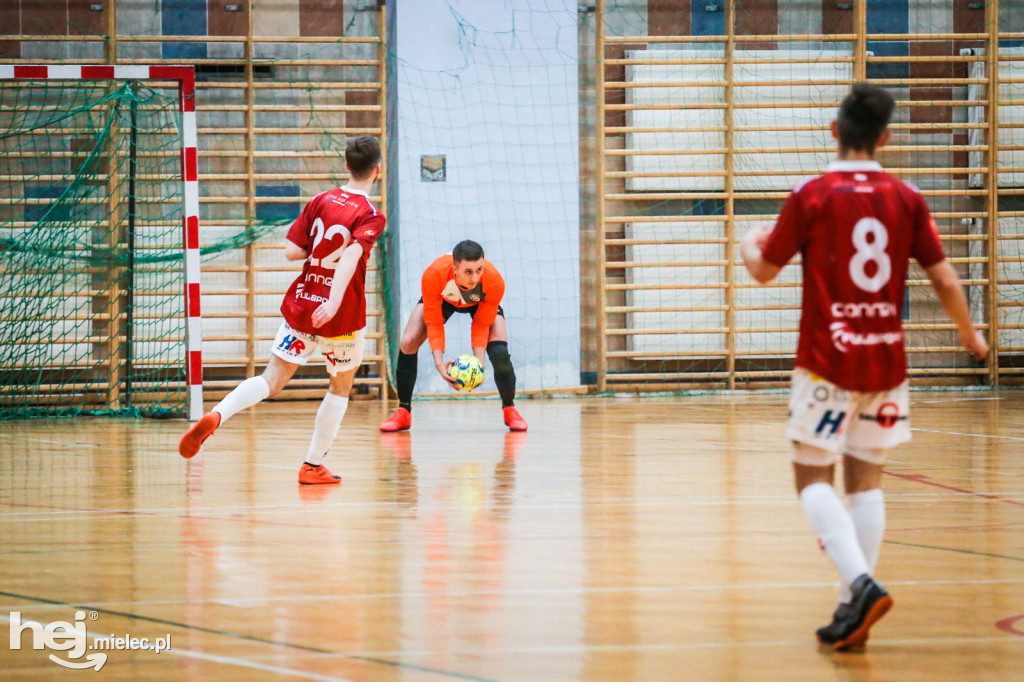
point(405, 379)
point(504, 374)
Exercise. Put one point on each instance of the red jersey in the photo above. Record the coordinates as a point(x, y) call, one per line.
point(856, 228)
point(327, 225)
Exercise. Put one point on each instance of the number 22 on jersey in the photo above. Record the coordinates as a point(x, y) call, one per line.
point(872, 251)
point(330, 261)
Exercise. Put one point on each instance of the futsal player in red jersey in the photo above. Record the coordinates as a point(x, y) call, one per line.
point(324, 308)
point(856, 227)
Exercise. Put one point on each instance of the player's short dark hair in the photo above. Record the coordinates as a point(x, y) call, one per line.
point(467, 250)
point(863, 116)
point(362, 154)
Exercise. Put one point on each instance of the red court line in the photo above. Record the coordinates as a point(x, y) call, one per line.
point(921, 478)
point(1007, 625)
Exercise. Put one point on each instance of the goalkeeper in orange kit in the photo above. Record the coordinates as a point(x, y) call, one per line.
point(460, 282)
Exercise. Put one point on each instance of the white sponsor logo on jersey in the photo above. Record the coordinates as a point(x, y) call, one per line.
point(856, 310)
point(843, 337)
point(326, 280)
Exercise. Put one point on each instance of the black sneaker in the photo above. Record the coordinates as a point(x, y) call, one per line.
point(831, 633)
point(870, 602)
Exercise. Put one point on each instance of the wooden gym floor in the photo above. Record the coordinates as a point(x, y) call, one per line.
point(619, 539)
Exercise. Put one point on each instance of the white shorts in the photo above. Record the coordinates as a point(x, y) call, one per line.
point(341, 354)
point(829, 418)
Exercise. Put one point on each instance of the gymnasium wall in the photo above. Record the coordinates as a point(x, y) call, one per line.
point(507, 94)
point(493, 88)
point(278, 93)
point(679, 310)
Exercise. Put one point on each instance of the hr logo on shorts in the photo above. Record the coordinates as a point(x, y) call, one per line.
point(292, 344)
point(831, 424)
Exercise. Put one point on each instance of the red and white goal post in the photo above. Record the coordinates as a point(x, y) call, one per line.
point(184, 76)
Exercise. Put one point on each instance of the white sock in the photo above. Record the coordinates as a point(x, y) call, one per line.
point(867, 511)
point(834, 528)
point(246, 394)
point(328, 421)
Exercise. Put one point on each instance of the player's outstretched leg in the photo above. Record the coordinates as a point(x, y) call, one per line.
point(405, 380)
point(198, 433)
point(505, 378)
point(246, 394)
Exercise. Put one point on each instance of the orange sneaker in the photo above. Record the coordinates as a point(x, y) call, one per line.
point(401, 420)
point(200, 431)
point(312, 475)
point(513, 420)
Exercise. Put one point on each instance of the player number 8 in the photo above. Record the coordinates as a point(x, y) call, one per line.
point(870, 252)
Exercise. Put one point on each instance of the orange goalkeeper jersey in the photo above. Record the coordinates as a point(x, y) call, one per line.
point(438, 287)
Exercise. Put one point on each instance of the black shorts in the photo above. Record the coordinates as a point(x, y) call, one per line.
point(447, 309)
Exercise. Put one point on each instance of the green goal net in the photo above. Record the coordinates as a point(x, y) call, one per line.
point(90, 249)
